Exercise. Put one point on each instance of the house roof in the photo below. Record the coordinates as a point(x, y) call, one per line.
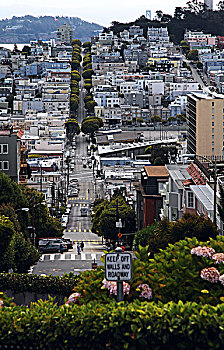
point(205, 195)
point(156, 171)
point(196, 174)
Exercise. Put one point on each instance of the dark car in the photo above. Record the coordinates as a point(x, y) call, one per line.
point(68, 242)
point(50, 247)
point(44, 243)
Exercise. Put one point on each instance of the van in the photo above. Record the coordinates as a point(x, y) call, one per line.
point(84, 211)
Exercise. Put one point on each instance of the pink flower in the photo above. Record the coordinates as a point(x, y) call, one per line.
point(73, 298)
point(112, 287)
point(146, 291)
point(206, 252)
point(1, 303)
point(210, 274)
point(219, 258)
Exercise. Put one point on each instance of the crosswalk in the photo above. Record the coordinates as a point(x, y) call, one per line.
point(80, 204)
point(80, 229)
point(70, 256)
point(80, 198)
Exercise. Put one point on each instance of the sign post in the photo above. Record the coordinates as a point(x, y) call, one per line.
point(118, 267)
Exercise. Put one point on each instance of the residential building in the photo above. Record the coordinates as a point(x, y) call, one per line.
point(149, 199)
point(205, 116)
point(64, 34)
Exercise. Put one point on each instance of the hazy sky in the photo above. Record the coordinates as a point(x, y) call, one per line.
point(98, 11)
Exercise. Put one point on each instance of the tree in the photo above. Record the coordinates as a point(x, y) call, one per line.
point(90, 126)
point(105, 216)
point(76, 42)
point(72, 128)
point(171, 119)
point(192, 55)
point(139, 120)
point(161, 154)
point(90, 106)
point(165, 232)
point(156, 119)
point(88, 88)
point(87, 74)
point(159, 15)
point(181, 118)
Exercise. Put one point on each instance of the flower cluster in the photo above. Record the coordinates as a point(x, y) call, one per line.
point(73, 298)
point(206, 252)
point(146, 291)
point(219, 258)
point(210, 274)
point(221, 279)
point(1, 303)
point(112, 287)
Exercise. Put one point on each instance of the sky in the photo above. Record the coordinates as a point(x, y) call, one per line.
point(98, 11)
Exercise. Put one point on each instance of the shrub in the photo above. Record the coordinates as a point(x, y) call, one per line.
point(20, 283)
point(113, 326)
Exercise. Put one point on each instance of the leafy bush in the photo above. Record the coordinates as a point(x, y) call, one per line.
point(174, 273)
point(20, 283)
point(113, 326)
point(165, 232)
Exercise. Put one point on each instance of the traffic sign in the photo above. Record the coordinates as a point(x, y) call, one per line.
point(118, 267)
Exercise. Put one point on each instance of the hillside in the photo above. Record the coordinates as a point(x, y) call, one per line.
point(26, 28)
point(209, 22)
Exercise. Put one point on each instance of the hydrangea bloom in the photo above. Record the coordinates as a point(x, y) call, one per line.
point(210, 274)
point(206, 252)
point(112, 287)
point(73, 298)
point(219, 258)
point(221, 279)
point(146, 291)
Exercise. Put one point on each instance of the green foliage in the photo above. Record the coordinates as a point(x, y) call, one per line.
point(165, 232)
point(87, 73)
point(114, 326)
point(142, 236)
point(23, 282)
point(91, 124)
point(156, 119)
point(193, 55)
point(10, 192)
point(162, 152)
point(45, 225)
point(104, 217)
point(22, 254)
point(174, 273)
point(76, 42)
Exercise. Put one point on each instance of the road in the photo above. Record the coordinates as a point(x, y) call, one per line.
point(78, 228)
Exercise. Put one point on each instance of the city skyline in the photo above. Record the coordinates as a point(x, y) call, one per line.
point(98, 13)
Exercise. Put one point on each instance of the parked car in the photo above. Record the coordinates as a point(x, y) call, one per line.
point(74, 180)
point(68, 242)
point(50, 248)
point(84, 211)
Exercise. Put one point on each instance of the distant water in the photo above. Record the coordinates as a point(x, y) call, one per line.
point(11, 46)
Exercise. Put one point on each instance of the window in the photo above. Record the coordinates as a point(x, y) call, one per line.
point(213, 110)
point(213, 117)
point(213, 124)
point(190, 200)
point(4, 149)
point(213, 150)
point(212, 129)
point(4, 165)
point(212, 143)
point(213, 137)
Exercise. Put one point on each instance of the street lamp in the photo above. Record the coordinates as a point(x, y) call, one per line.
point(214, 176)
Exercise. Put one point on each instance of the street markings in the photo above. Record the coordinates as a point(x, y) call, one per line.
point(79, 229)
point(71, 256)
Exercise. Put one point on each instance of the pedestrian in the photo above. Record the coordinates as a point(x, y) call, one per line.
point(82, 246)
point(78, 249)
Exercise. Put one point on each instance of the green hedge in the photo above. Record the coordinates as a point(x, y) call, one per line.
point(124, 326)
point(20, 283)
